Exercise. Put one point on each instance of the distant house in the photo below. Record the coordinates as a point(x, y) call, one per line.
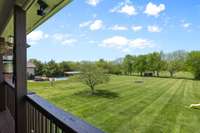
point(30, 70)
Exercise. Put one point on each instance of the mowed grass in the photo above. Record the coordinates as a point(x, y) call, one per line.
point(158, 105)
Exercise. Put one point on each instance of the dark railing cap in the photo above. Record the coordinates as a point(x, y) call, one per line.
point(64, 120)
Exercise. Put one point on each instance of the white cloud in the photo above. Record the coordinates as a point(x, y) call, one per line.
point(96, 25)
point(36, 36)
point(64, 39)
point(153, 9)
point(115, 41)
point(125, 44)
point(60, 36)
point(186, 25)
point(93, 2)
point(154, 28)
point(141, 43)
point(85, 24)
point(126, 8)
point(69, 41)
point(136, 28)
point(118, 27)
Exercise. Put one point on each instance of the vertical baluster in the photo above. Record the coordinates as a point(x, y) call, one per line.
point(51, 127)
point(35, 121)
point(56, 129)
point(32, 119)
point(42, 124)
point(28, 117)
point(39, 122)
point(46, 125)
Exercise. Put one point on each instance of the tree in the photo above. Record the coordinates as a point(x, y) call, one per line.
point(175, 61)
point(141, 64)
point(155, 62)
point(51, 69)
point(91, 75)
point(64, 67)
point(193, 62)
point(128, 64)
point(39, 70)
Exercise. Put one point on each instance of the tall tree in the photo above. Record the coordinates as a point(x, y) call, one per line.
point(51, 69)
point(193, 62)
point(175, 61)
point(141, 64)
point(155, 62)
point(128, 64)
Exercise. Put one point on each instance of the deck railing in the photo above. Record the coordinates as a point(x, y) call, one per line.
point(43, 117)
point(10, 97)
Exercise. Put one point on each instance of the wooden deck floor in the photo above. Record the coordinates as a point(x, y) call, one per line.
point(6, 122)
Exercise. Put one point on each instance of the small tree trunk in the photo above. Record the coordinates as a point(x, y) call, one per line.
point(171, 74)
point(92, 89)
point(158, 74)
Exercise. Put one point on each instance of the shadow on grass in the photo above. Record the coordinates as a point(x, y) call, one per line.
point(98, 93)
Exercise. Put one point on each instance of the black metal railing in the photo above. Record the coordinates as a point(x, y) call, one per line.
point(10, 97)
point(43, 117)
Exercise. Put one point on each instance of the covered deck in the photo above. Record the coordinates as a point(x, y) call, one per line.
point(20, 111)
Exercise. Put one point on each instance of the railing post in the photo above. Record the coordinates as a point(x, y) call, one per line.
point(20, 69)
point(2, 88)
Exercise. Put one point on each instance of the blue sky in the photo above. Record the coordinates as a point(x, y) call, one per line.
point(109, 29)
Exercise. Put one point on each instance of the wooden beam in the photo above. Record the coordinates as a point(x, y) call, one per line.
point(20, 69)
point(2, 88)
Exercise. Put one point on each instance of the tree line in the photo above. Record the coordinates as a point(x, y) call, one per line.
point(159, 61)
point(155, 63)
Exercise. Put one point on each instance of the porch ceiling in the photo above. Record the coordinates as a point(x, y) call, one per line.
point(33, 20)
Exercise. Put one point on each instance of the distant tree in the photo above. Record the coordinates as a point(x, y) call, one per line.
point(141, 64)
point(110, 67)
point(64, 67)
point(155, 62)
point(175, 61)
point(115, 68)
point(193, 63)
point(128, 64)
point(51, 69)
point(91, 75)
point(39, 70)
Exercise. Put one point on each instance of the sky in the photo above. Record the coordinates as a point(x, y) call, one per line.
point(110, 29)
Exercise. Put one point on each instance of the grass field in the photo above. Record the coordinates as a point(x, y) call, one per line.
point(158, 105)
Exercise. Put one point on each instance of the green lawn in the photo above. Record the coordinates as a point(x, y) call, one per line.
point(158, 105)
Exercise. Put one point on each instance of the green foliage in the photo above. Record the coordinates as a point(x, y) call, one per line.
point(110, 67)
point(128, 63)
point(91, 75)
point(175, 61)
point(39, 70)
point(141, 64)
point(51, 69)
point(193, 62)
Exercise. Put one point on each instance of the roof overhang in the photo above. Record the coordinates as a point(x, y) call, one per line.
point(30, 6)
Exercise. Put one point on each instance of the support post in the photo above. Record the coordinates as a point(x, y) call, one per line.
point(2, 88)
point(20, 69)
